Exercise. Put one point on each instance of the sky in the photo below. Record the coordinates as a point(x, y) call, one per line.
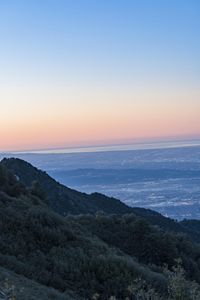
point(87, 72)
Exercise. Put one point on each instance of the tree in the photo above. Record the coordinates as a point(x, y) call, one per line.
point(37, 190)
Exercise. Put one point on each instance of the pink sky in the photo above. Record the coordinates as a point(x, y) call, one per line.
point(67, 118)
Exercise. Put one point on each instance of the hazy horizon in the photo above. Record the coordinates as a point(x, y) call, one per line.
point(163, 177)
point(136, 145)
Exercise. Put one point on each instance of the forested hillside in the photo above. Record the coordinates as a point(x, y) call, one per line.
point(130, 254)
point(65, 201)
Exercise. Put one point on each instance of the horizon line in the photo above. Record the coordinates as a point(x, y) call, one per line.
point(139, 145)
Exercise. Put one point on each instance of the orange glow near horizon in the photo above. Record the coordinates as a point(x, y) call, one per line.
point(57, 119)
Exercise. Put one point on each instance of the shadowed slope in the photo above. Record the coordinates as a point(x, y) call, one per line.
point(65, 201)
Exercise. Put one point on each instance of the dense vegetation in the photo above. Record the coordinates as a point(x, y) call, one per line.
point(64, 200)
point(132, 254)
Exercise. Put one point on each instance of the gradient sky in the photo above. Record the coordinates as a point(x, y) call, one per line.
point(90, 72)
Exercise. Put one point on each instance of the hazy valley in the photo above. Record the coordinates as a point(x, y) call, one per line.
point(165, 180)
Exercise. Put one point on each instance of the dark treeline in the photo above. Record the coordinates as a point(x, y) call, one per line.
point(93, 256)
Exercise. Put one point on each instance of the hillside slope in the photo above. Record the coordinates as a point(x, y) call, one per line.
point(87, 256)
point(59, 253)
point(65, 201)
point(61, 198)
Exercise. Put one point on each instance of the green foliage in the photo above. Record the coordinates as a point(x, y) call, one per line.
point(37, 190)
point(92, 256)
point(149, 244)
point(66, 201)
point(9, 183)
point(178, 287)
point(141, 290)
point(43, 246)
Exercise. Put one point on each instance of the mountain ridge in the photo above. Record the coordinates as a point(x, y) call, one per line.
point(89, 256)
point(65, 200)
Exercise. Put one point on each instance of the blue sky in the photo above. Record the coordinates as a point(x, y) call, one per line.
point(57, 53)
point(94, 35)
